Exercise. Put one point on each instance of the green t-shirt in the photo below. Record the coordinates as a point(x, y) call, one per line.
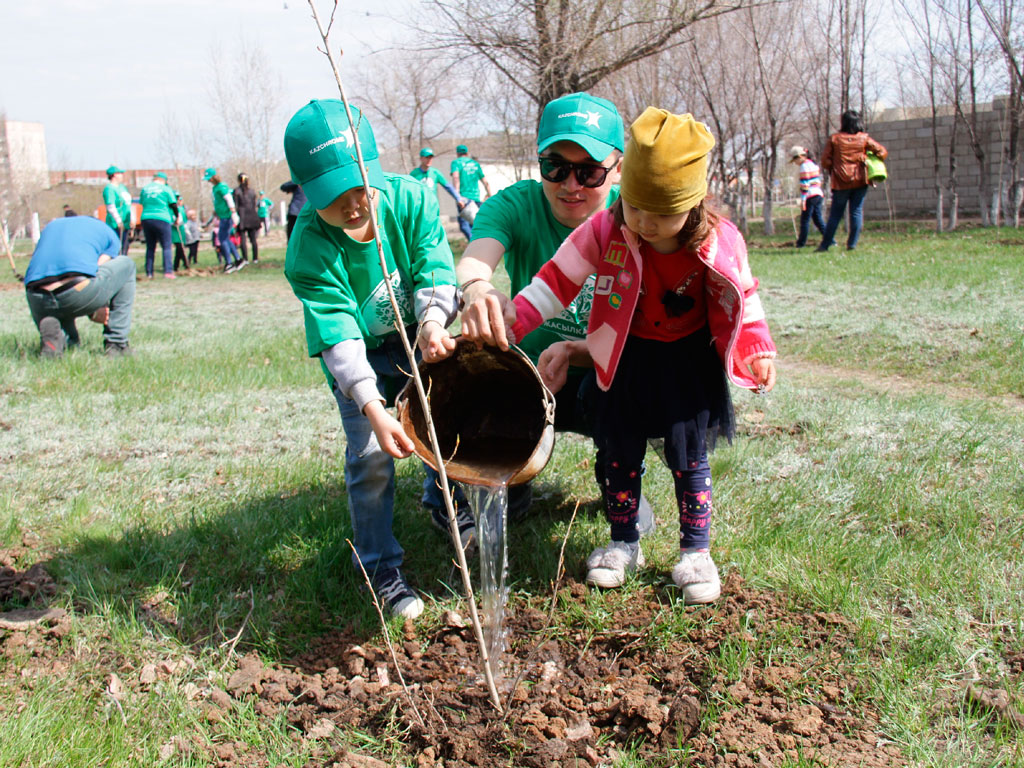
point(470, 175)
point(178, 230)
point(116, 197)
point(431, 177)
point(220, 205)
point(156, 201)
point(264, 207)
point(339, 280)
point(520, 218)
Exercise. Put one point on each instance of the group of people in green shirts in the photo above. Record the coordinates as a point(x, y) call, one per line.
point(467, 175)
point(333, 267)
point(165, 221)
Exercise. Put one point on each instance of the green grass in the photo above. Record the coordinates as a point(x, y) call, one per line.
point(196, 490)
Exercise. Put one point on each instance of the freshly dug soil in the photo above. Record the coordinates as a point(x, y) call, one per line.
point(580, 696)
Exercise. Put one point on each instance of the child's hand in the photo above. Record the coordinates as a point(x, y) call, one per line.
point(390, 435)
point(435, 342)
point(764, 372)
point(553, 363)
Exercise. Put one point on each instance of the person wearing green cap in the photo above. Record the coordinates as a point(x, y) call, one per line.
point(580, 143)
point(118, 203)
point(431, 177)
point(467, 176)
point(224, 211)
point(159, 212)
point(334, 268)
point(266, 205)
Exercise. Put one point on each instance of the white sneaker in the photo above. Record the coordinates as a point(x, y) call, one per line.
point(697, 575)
point(607, 566)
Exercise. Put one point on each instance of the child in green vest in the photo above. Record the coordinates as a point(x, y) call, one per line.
point(334, 269)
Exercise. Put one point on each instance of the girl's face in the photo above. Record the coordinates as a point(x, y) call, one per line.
point(660, 230)
point(350, 211)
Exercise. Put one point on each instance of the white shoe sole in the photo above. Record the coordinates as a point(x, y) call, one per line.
point(705, 592)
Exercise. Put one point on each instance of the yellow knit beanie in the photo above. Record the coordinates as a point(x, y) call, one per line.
point(665, 167)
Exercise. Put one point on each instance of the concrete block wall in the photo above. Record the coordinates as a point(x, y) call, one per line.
point(911, 162)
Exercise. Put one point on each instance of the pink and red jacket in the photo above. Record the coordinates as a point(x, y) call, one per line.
point(735, 315)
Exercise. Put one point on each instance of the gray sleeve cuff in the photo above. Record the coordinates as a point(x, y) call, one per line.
point(356, 379)
point(438, 302)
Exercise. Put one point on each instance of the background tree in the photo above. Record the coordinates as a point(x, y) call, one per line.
point(245, 95)
point(548, 48)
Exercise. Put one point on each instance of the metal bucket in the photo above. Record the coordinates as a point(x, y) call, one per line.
point(494, 418)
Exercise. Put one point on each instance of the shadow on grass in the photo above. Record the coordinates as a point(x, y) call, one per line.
point(274, 572)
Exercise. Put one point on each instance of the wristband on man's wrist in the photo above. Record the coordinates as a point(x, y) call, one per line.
point(462, 290)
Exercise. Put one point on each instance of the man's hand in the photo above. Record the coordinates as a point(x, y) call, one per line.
point(764, 373)
point(553, 363)
point(101, 315)
point(487, 315)
point(390, 435)
point(103, 258)
point(435, 342)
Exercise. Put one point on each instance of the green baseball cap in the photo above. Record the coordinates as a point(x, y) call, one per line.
point(462, 149)
point(426, 152)
point(319, 146)
point(209, 173)
point(590, 121)
point(160, 175)
point(114, 169)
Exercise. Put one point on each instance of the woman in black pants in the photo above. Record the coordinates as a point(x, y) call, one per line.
point(249, 218)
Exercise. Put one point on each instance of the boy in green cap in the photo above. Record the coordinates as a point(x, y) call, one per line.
point(467, 176)
point(334, 269)
point(225, 213)
point(159, 212)
point(118, 202)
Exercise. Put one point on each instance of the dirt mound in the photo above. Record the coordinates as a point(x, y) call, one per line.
point(583, 696)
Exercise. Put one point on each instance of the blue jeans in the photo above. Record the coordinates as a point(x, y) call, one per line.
point(370, 472)
point(227, 248)
point(840, 197)
point(811, 212)
point(113, 286)
point(156, 230)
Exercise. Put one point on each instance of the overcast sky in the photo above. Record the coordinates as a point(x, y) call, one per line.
point(101, 74)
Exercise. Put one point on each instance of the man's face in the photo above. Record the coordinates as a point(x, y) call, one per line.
point(572, 203)
point(116, 178)
point(426, 161)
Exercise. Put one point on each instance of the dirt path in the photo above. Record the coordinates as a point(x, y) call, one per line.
point(896, 385)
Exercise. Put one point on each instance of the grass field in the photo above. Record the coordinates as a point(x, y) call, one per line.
point(188, 502)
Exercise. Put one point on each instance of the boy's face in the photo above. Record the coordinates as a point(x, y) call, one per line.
point(349, 211)
point(426, 161)
point(572, 203)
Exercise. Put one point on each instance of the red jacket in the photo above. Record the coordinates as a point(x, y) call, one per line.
point(735, 315)
point(844, 158)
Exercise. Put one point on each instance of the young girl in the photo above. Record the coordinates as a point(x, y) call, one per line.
point(673, 301)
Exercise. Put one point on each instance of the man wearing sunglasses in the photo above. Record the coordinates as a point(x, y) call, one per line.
point(579, 143)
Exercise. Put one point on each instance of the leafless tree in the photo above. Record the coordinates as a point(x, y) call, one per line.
point(245, 95)
point(413, 95)
point(999, 17)
point(548, 48)
point(183, 143)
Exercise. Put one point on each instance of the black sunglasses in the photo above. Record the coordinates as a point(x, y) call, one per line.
point(587, 174)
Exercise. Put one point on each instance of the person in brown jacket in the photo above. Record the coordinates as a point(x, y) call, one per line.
point(843, 158)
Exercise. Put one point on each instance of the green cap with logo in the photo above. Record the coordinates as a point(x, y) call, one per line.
point(114, 169)
point(590, 121)
point(209, 173)
point(160, 175)
point(319, 146)
point(426, 152)
point(462, 149)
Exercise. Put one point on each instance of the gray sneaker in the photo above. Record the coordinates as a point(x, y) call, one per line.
point(113, 349)
point(464, 517)
point(395, 594)
point(51, 337)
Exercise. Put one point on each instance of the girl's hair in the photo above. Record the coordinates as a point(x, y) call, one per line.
point(850, 122)
point(703, 218)
point(243, 181)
